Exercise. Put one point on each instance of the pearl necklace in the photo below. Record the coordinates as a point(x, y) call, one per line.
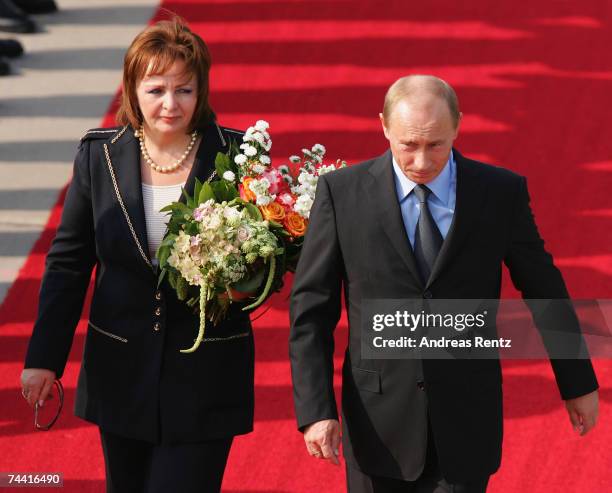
point(157, 167)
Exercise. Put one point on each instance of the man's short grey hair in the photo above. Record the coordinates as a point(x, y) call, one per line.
point(409, 85)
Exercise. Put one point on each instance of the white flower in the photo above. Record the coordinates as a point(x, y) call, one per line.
point(303, 205)
point(264, 159)
point(259, 186)
point(231, 214)
point(295, 159)
point(240, 159)
point(258, 169)
point(262, 125)
point(243, 234)
point(284, 169)
point(264, 199)
point(286, 199)
point(229, 176)
point(250, 151)
point(318, 149)
point(259, 138)
point(326, 169)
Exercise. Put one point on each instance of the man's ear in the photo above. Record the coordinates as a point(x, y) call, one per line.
point(382, 122)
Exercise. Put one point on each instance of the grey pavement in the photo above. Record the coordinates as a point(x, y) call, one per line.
point(61, 87)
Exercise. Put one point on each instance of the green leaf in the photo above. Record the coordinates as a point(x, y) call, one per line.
point(253, 211)
point(222, 164)
point(224, 190)
point(169, 207)
point(168, 240)
point(162, 255)
point(172, 277)
point(274, 224)
point(192, 229)
point(189, 199)
point(181, 288)
point(161, 277)
point(206, 193)
point(251, 284)
point(197, 188)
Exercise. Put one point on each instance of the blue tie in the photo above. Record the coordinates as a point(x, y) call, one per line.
point(427, 240)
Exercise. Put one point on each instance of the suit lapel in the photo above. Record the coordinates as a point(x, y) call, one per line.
point(383, 197)
point(470, 198)
point(125, 157)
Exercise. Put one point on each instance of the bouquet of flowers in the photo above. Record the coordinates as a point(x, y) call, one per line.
point(237, 236)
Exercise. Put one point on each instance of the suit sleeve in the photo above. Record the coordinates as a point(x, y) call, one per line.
point(315, 311)
point(534, 274)
point(69, 264)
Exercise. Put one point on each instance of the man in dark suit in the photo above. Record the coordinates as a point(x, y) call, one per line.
point(419, 222)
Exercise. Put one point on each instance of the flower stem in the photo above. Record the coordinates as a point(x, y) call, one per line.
point(267, 287)
point(204, 294)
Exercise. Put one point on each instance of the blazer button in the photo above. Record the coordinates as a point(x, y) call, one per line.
point(156, 326)
point(158, 311)
point(158, 295)
point(427, 295)
point(421, 385)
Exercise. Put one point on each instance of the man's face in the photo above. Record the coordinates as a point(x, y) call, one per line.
point(421, 135)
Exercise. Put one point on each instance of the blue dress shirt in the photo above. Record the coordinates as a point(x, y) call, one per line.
point(441, 201)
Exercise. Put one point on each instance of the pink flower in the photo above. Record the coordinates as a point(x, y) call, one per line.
point(286, 199)
point(275, 178)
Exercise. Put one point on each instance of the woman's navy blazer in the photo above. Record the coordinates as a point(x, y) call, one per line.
point(133, 380)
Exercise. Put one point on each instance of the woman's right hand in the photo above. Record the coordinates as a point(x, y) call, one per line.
point(36, 384)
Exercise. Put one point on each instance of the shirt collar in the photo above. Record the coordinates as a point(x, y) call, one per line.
point(439, 186)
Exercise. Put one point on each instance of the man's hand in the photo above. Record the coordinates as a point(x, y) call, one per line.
point(36, 384)
point(583, 411)
point(323, 439)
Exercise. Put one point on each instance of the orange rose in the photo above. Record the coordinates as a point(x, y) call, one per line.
point(295, 224)
point(273, 212)
point(245, 191)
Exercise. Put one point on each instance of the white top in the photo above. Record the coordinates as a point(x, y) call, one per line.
point(156, 197)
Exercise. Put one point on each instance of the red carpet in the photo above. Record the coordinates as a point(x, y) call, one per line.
point(535, 83)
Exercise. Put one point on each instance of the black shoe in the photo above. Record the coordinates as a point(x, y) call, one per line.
point(10, 48)
point(13, 19)
point(36, 6)
point(5, 68)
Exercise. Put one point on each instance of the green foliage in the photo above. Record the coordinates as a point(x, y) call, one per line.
point(172, 277)
point(223, 164)
point(182, 287)
point(253, 210)
point(162, 255)
point(206, 193)
point(224, 191)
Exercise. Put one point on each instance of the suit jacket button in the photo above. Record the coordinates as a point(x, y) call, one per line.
point(421, 385)
point(427, 295)
point(156, 326)
point(158, 311)
point(158, 295)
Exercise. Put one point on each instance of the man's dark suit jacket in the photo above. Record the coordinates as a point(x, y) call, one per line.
point(357, 243)
point(133, 380)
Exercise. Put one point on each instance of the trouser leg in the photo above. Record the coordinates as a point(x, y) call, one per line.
point(126, 462)
point(189, 467)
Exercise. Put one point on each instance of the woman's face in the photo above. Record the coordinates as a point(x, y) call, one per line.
point(167, 101)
